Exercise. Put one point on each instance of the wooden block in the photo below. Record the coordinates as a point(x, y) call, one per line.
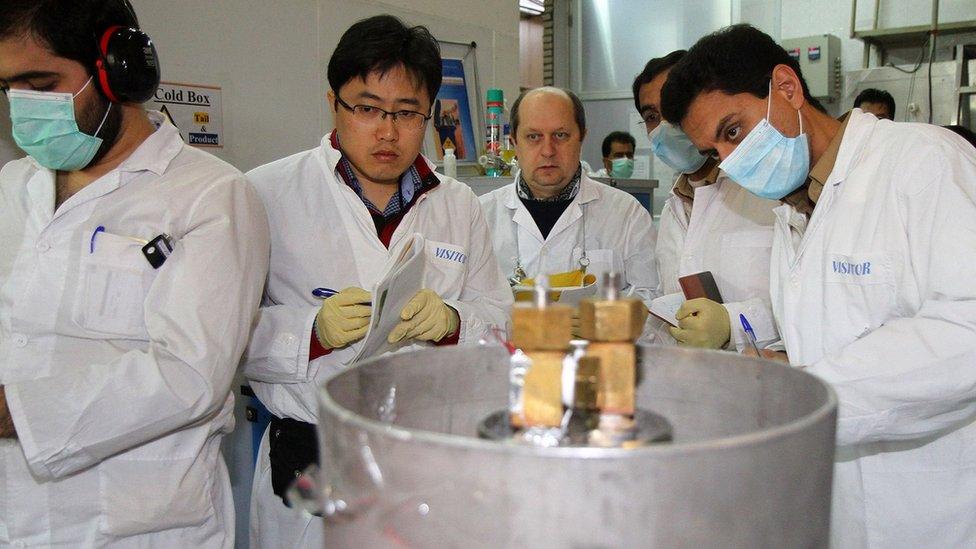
point(618, 376)
point(619, 320)
point(547, 329)
point(542, 403)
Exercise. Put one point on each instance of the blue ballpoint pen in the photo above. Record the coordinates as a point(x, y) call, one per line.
point(749, 332)
point(324, 292)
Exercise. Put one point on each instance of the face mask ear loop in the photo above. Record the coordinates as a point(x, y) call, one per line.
point(83, 87)
point(798, 115)
point(769, 99)
point(104, 118)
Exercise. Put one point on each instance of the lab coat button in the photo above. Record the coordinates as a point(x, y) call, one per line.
point(43, 247)
point(20, 340)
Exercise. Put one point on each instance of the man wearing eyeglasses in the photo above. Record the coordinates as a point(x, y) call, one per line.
point(338, 213)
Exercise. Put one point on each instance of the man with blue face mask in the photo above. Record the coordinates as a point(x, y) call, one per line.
point(707, 224)
point(131, 268)
point(873, 279)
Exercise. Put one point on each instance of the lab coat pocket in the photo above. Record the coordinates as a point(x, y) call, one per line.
point(859, 293)
point(744, 264)
point(446, 269)
point(141, 496)
point(113, 279)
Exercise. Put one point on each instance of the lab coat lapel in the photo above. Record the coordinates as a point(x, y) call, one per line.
point(705, 198)
point(852, 147)
point(408, 225)
point(522, 219)
point(368, 253)
point(352, 208)
point(588, 192)
point(41, 191)
point(678, 211)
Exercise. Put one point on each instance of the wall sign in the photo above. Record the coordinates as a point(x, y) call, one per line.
point(194, 109)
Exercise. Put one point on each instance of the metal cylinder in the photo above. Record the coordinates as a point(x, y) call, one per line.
point(750, 465)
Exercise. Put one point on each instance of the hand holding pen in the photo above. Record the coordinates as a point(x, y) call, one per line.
point(761, 353)
point(750, 334)
point(344, 316)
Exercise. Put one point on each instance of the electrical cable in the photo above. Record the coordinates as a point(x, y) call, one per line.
point(918, 63)
point(914, 71)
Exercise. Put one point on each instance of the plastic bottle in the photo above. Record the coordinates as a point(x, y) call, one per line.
point(508, 149)
point(450, 163)
point(493, 135)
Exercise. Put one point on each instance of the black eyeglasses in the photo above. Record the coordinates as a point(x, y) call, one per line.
point(368, 114)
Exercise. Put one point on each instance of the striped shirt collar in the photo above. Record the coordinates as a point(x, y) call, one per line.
point(411, 182)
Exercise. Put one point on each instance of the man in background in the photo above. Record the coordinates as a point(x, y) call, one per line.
point(877, 102)
point(554, 220)
point(618, 156)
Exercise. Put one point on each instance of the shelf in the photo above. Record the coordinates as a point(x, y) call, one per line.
point(911, 37)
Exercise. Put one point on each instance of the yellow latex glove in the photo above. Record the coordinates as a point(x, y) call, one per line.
point(425, 317)
point(702, 323)
point(343, 318)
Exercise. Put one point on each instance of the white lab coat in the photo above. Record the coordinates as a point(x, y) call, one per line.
point(118, 375)
point(729, 233)
point(877, 296)
point(323, 235)
point(619, 236)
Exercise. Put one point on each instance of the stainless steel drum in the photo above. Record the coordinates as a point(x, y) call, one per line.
point(750, 464)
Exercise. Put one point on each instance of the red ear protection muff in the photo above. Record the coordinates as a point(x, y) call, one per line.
point(127, 68)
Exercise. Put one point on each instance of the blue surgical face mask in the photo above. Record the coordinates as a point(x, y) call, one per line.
point(673, 147)
point(44, 126)
point(767, 163)
point(622, 167)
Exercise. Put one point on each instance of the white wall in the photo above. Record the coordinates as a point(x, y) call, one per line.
point(270, 58)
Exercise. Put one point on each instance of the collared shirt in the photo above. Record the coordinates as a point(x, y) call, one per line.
point(684, 190)
point(410, 185)
point(568, 192)
point(805, 198)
